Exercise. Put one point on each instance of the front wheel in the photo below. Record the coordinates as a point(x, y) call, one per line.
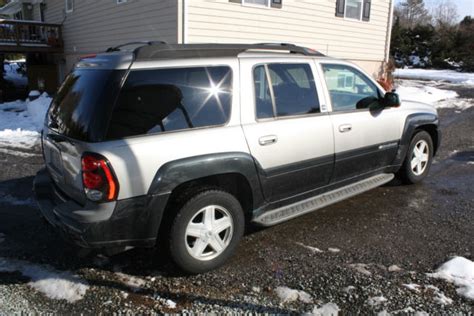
point(418, 159)
point(206, 231)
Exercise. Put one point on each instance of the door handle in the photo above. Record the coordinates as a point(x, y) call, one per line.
point(267, 140)
point(345, 128)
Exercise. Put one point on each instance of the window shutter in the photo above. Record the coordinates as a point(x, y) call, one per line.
point(236, 1)
point(276, 4)
point(366, 11)
point(340, 4)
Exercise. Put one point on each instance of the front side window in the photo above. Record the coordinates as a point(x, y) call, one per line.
point(284, 90)
point(69, 5)
point(354, 9)
point(349, 88)
point(163, 100)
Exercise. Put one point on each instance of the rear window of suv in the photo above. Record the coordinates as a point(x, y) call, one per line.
point(84, 102)
point(162, 100)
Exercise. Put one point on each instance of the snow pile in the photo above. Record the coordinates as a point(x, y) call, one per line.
point(22, 121)
point(459, 271)
point(423, 93)
point(329, 309)
point(54, 284)
point(431, 74)
point(287, 295)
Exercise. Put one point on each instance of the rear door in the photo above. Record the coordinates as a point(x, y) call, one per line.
point(78, 114)
point(365, 140)
point(286, 126)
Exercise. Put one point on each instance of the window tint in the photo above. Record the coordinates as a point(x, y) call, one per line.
point(291, 90)
point(349, 88)
point(162, 100)
point(84, 102)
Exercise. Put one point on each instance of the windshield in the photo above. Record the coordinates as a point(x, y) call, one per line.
point(82, 106)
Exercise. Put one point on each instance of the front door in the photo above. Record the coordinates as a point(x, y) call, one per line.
point(288, 133)
point(365, 140)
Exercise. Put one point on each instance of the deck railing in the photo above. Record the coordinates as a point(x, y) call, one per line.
point(19, 35)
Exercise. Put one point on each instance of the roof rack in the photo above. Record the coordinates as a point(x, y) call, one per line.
point(117, 48)
point(157, 50)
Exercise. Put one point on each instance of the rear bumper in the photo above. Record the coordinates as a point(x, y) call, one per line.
point(121, 224)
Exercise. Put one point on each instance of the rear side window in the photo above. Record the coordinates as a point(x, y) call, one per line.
point(285, 90)
point(163, 100)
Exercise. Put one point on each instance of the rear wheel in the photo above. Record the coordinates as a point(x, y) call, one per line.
point(206, 231)
point(418, 159)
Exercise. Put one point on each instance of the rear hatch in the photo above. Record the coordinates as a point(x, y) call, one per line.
point(78, 115)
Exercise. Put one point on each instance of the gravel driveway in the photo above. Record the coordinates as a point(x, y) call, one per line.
point(368, 254)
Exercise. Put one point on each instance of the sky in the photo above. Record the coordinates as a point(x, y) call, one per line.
point(465, 7)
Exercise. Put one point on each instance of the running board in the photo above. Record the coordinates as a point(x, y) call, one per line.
point(285, 213)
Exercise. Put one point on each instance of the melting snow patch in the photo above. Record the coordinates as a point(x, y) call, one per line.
point(134, 283)
point(349, 288)
point(334, 249)
point(22, 121)
point(394, 268)
point(459, 271)
point(376, 300)
point(413, 287)
point(288, 295)
point(313, 249)
point(61, 285)
point(170, 304)
point(328, 309)
point(431, 74)
point(361, 268)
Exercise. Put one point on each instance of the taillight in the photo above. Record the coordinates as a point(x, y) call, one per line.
point(98, 178)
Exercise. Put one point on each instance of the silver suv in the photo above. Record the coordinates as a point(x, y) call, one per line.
point(194, 142)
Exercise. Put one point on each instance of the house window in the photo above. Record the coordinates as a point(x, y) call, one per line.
point(69, 6)
point(265, 3)
point(121, 1)
point(354, 9)
point(261, 3)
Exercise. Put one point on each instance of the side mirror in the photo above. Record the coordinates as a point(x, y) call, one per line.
point(391, 99)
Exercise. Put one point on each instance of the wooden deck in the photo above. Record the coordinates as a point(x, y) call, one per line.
point(17, 36)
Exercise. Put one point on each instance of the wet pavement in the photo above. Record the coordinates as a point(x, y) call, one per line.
point(343, 254)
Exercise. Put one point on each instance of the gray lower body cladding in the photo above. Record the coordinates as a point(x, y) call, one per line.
point(125, 223)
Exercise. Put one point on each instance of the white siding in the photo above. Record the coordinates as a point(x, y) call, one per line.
point(94, 26)
point(310, 23)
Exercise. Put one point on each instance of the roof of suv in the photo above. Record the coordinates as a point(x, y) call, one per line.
point(165, 51)
point(118, 57)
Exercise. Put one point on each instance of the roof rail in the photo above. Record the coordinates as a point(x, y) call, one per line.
point(152, 50)
point(117, 48)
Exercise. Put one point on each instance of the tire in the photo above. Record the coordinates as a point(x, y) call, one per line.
point(206, 231)
point(413, 170)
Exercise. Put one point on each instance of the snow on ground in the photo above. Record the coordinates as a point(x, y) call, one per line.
point(312, 249)
point(425, 92)
point(22, 121)
point(376, 300)
point(459, 271)
point(328, 309)
point(432, 74)
point(61, 285)
point(134, 283)
point(287, 295)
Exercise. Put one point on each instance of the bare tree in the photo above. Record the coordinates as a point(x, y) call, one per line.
point(412, 13)
point(445, 12)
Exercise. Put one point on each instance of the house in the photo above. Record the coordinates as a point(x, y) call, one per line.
point(358, 30)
